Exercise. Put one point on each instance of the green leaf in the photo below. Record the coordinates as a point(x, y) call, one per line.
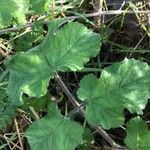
point(31, 72)
point(39, 6)
point(26, 41)
point(52, 7)
point(7, 110)
point(13, 9)
point(39, 104)
point(71, 47)
point(54, 132)
point(100, 108)
point(88, 139)
point(119, 87)
point(88, 136)
point(67, 48)
point(138, 135)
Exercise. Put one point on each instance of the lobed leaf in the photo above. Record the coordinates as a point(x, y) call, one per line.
point(121, 85)
point(67, 48)
point(54, 132)
point(138, 135)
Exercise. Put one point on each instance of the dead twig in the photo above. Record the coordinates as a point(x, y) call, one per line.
point(98, 4)
point(34, 113)
point(18, 132)
point(3, 53)
point(66, 91)
point(112, 12)
point(77, 105)
point(10, 142)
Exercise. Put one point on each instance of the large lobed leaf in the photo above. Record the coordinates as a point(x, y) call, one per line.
point(10, 9)
point(121, 85)
point(67, 48)
point(54, 132)
point(138, 135)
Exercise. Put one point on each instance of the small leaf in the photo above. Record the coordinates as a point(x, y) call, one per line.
point(88, 136)
point(39, 104)
point(65, 49)
point(119, 87)
point(88, 139)
point(39, 6)
point(54, 132)
point(138, 135)
point(52, 7)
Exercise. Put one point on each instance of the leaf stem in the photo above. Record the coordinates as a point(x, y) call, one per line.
point(77, 105)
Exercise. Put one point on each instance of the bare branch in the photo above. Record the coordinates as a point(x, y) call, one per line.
point(112, 12)
point(77, 105)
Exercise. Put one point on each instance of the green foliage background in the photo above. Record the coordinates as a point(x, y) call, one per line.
point(41, 53)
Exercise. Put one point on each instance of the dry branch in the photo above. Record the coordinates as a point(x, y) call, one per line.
point(102, 132)
point(114, 12)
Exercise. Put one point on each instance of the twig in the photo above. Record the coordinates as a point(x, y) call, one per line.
point(111, 12)
point(76, 104)
point(18, 132)
point(34, 113)
point(4, 54)
point(16, 28)
point(15, 145)
point(10, 142)
point(66, 91)
point(98, 4)
point(76, 109)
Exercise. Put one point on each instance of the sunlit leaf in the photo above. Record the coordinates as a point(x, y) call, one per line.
point(63, 49)
point(121, 85)
point(138, 135)
point(54, 132)
point(10, 9)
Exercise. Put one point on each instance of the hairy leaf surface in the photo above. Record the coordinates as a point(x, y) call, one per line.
point(7, 110)
point(138, 135)
point(121, 85)
point(54, 132)
point(67, 48)
point(10, 9)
